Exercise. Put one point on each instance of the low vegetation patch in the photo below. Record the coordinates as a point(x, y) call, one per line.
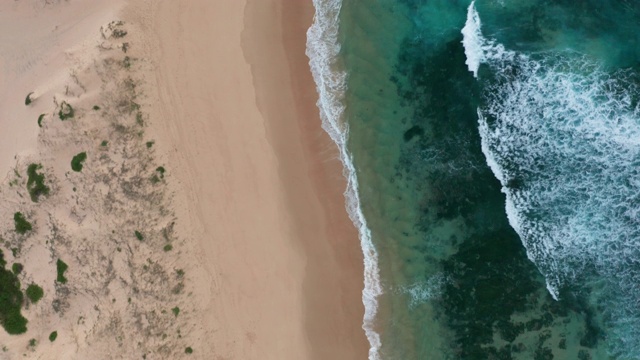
point(126, 62)
point(167, 247)
point(150, 144)
point(27, 100)
point(188, 350)
point(96, 107)
point(34, 293)
point(66, 111)
point(53, 336)
point(10, 301)
point(119, 33)
point(77, 161)
point(17, 268)
point(61, 267)
point(40, 119)
point(175, 311)
point(178, 288)
point(22, 225)
point(35, 182)
point(138, 235)
point(159, 175)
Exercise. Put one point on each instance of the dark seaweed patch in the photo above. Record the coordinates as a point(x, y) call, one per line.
point(413, 132)
point(491, 280)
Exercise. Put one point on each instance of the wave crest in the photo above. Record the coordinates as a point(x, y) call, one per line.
point(563, 138)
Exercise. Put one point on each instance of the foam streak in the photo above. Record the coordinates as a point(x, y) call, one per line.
point(323, 50)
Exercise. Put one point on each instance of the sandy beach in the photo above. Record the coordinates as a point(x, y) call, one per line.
point(208, 221)
point(287, 268)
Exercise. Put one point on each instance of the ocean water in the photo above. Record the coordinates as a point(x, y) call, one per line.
point(492, 151)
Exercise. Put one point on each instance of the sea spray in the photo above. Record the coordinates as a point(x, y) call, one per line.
point(323, 50)
point(471, 40)
point(477, 48)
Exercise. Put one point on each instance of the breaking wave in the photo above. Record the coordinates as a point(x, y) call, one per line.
point(562, 135)
point(323, 50)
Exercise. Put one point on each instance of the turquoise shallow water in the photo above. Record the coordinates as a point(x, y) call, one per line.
point(494, 150)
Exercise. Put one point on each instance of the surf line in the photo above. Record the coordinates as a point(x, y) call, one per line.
point(323, 50)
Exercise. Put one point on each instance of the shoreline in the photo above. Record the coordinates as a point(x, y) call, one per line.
point(282, 259)
point(335, 259)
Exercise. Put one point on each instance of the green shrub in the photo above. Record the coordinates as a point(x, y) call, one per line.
point(176, 311)
point(104, 143)
point(40, 119)
point(66, 111)
point(150, 144)
point(188, 350)
point(17, 268)
point(10, 301)
point(34, 293)
point(138, 235)
point(96, 107)
point(21, 224)
point(76, 162)
point(160, 171)
point(53, 336)
point(27, 100)
point(61, 267)
point(35, 182)
point(167, 247)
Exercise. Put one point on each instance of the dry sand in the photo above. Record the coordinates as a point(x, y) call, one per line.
point(118, 298)
point(288, 268)
point(222, 92)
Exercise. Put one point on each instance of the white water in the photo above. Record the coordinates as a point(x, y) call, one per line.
point(477, 49)
point(563, 138)
point(323, 50)
point(472, 40)
point(422, 291)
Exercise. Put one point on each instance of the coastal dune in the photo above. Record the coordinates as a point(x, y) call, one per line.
point(190, 190)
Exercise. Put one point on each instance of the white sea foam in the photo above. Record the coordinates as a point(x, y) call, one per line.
point(323, 49)
point(563, 138)
point(472, 40)
point(421, 292)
